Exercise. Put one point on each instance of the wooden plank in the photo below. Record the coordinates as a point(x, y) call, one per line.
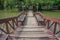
point(3, 37)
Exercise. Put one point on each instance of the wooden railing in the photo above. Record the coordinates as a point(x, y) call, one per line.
point(52, 24)
point(7, 25)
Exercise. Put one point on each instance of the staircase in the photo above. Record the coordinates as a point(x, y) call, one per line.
point(30, 31)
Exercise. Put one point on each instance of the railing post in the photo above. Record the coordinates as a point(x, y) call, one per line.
point(59, 25)
point(47, 24)
point(13, 23)
point(7, 28)
point(54, 31)
point(17, 21)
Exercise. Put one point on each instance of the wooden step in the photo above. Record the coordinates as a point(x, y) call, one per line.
point(30, 13)
point(32, 29)
point(31, 34)
point(31, 21)
point(3, 36)
point(29, 26)
point(44, 38)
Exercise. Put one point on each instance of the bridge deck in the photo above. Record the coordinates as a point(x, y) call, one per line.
point(31, 30)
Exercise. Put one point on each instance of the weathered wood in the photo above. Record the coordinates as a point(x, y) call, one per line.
point(3, 30)
point(55, 21)
point(7, 28)
point(14, 22)
point(12, 26)
point(54, 31)
point(31, 29)
point(50, 25)
point(3, 37)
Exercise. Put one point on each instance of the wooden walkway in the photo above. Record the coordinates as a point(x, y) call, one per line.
point(30, 31)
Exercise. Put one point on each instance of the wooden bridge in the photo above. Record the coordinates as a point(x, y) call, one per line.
point(30, 26)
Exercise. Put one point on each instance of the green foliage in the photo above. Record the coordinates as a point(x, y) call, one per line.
point(9, 13)
point(1, 4)
point(14, 3)
point(52, 14)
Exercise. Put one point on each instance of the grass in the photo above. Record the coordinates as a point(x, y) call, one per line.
point(8, 13)
point(53, 14)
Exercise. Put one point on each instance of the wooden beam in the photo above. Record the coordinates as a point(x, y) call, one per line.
point(54, 31)
point(7, 28)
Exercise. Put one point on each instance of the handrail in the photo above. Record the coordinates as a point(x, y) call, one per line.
point(14, 22)
point(49, 18)
point(49, 22)
point(8, 19)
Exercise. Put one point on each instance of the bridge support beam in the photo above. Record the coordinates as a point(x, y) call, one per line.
point(54, 31)
point(7, 28)
point(47, 24)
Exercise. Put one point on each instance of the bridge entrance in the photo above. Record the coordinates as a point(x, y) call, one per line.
point(31, 30)
point(27, 27)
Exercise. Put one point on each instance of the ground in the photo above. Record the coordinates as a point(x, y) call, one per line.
point(8, 13)
point(53, 14)
point(12, 13)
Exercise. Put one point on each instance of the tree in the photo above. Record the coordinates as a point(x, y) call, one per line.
point(1, 4)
